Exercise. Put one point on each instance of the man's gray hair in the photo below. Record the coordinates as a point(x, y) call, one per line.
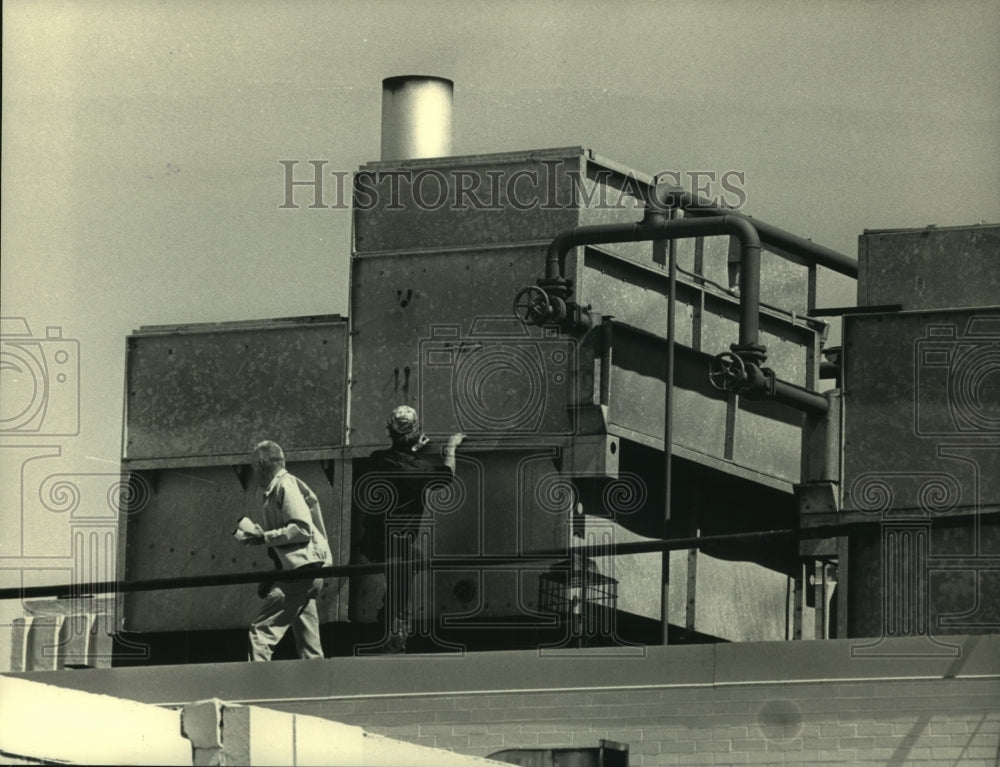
point(270, 453)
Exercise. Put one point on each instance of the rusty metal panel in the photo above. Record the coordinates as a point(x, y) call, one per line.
point(639, 576)
point(185, 528)
point(720, 327)
point(754, 608)
point(921, 447)
point(789, 351)
point(784, 283)
point(953, 586)
point(930, 268)
point(465, 202)
point(215, 390)
point(504, 500)
point(916, 386)
point(735, 601)
point(768, 438)
point(518, 505)
point(636, 296)
point(609, 196)
point(790, 347)
point(762, 437)
point(638, 398)
point(436, 330)
point(498, 378)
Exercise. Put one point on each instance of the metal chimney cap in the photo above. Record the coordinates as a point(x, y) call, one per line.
point(393, 83)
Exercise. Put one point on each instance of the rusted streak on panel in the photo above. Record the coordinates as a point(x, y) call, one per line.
point(210, 391)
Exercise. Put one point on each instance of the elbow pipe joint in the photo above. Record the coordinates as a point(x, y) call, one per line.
point(555, 259)
point(655, 226)
point(664, 198)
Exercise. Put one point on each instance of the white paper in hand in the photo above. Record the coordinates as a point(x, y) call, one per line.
point(247, 529)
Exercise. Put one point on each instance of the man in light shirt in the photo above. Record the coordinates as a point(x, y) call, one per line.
point(295, 536)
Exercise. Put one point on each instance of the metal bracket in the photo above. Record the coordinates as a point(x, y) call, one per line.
point(329, 470)
point(153, 479)
point(244, 473)
point(816, 498)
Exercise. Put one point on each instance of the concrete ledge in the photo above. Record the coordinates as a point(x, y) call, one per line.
point(42, 724)
point(864, 659)
point(689, 665)
point(53, 724)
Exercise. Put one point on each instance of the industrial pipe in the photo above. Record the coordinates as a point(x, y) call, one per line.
point(665, 198)
point(742, 372)
point(799, 398)
point(729, 372)
point(668, 430)
point(654, 228)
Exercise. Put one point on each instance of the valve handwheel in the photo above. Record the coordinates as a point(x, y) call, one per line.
point(727, 372)
point(531, 305)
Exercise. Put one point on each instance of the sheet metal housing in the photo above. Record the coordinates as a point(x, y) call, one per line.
point(198, 398)
point(431, 294)
point(922, 434)
point(431, 325)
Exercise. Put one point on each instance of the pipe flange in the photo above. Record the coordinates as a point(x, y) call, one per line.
point(751, 354)
point(559, 287)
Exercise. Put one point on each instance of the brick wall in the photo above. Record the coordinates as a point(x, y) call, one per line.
point(933, 722)
point(900, 701)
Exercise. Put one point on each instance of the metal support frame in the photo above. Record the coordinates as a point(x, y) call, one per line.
point(738, 371)
point(668, 434)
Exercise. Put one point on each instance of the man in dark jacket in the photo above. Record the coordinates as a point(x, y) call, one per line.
point(411, 467)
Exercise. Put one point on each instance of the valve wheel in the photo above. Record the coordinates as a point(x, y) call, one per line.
point(531, 305)
point(727, 372)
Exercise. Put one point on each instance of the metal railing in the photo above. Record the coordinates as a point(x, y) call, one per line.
point(511, 562)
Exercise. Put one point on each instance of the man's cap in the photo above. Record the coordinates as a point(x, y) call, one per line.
point(403, 421)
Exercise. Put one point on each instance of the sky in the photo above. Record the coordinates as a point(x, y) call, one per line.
point(142, 142)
